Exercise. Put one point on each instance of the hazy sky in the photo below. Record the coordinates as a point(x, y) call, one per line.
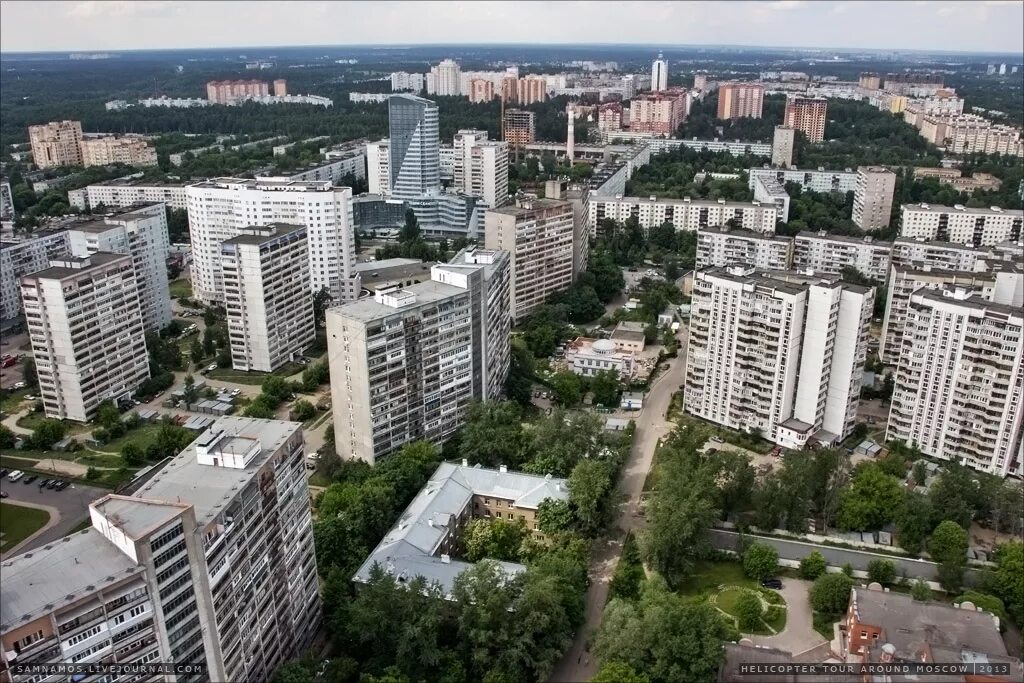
point(975, 25)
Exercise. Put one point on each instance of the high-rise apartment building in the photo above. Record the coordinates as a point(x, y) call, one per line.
point(807, 114)
point(538, 233)
point(230, 92)
point(829, 254)
point(869, 81)
point(782, 146)
point(519, 126)
point(738, 100)
point(480, 167)
point(530, 89)
point(727, 246)
point(401, 80)
point(609, 117)
point(267, 297)
point(111, 150)
point(140, 232)
point(211, 563)
point(85, 324)
point(462, 149)
point(921, 254)
point(659, 74)
point(404, 364)
point(6, 200)
point(579, 196)
point(818, 180)
point(280, 87)
point(779, 354)
point(964, 225)
point(414, 149)
point(24, 256)
point(872, 199)
point(221, 208)
point(56, 144)
point(659, 112)
point(480, 90)
point(445, 79)
point(378, 167)
point(960, 380)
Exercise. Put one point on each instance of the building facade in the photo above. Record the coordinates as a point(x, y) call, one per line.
point(538, 234)
point(830, 254)
point(267, 297)
point(781, 355)
point(480, 167)
point(22, 257)
point(414, 147)
point(684, 214)
point(221, 208)
point(659, 74)
point(125, 193)
point(740, 100)
point(445, 79)
point(817, 180)
point(378, 167)
point(140, 232)
point(872, 198)
point(807, 114)
point(960, 224)
point(85, 324)
point(724, 246)
point(782, 146)
point(111, 150)
point(960, 380)
point(55, 144)
point(229, 92)
point(519, 127)
point(659, 113)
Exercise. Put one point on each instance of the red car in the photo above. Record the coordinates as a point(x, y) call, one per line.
point(8, 362)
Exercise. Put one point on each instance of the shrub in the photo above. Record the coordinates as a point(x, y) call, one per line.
point(921, 591)
point(831, 593)
point(760, 561)
point(882, 571)
point(812, 566)
point(93, 474)
point(749, 611)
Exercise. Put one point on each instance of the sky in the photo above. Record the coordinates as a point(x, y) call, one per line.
point(974, 25)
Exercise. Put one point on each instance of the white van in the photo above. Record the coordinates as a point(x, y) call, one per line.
point(15, 475)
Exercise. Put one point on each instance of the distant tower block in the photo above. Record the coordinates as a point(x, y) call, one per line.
point(570, 139)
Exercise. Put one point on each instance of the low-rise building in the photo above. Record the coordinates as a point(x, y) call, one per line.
point(629, 337)
point(724, 246)
point(684, 214)
point(828, 254)
point(961, 224)
point(587, 357)
point(127, 192)
point(267, 297)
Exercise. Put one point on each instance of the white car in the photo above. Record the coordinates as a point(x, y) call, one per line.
point(212, 367)
point(19, 385)
point(30, 397)
point(15, 475)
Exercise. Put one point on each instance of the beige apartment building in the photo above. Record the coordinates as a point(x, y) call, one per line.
point(740, 100)
point(807, 114)
point(520, 127)
point(56, 144)
point(229, 92)
point(111, 150)
point(872, 198)
point(538, 233)
point(659, 112)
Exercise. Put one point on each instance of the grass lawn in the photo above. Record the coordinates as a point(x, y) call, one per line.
point(32, 420)
point(317, 479)
point(141, 436)
point(255, 378)
point(12, 400)
point(726, 601)
point(823, 623)
point(181, 289)
point(708, 576)
point(18, 523)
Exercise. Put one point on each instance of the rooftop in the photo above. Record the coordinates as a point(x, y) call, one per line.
point(369, 309)
point(907, 621)
point(746, 234)
point(209, 488)
point(279, 229)
point(87, 263)
point(408, 549)
point(684, 201)
point(960, 208)
point(264, 184)
point(737, 274)
point(39, 581)
point(530, 206)
point(850, 239)
point(137, 517)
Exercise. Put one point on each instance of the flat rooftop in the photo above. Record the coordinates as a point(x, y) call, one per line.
point(39, 581)
point(137, 517)
point(867, 240)
point(745, 234)
point(938, 208)
point(534, 205)
point(385, 274)
point(210, 488)
point(685, 201)
point(268, 183)
point(280, 229)
point(368, 309)
point(756, 278)
point(100, 258)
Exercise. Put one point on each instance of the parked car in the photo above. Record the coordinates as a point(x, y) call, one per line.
point(772, 583)
point(19, 385)
point(30, 397)
point(15, 475)
point(211, 367)
point(52, 484)
point(3, 494)
point(29, 479)
point(4, 473)
point(64, 484)
point(44, 483)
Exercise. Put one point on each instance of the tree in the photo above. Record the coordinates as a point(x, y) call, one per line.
point(92, 474)
point(1008, 578)
point(952, 495)
point(882, 571)
point(132, 455)
point(589, 484)
point(749, 611)
point(410, 231)
point(948, 547)
point(195, 352)
point(617, 672)
point(629, 573)
point(28, 372)
point(562, 439)
point(605, 385)
point(209, 344)
point(920, 590)
point(760, 561)
point(519, 381)
point(913, 522)
point(321, 300)
point(872, 499)
point(495, 538)
point(554, 517)
point(302, 410)
point(189, 392)
point(47, 433)
point(567, 388)
point(493, 434)
point(7, 437)
point(830, 593)
point(813, 565)
point(920, 472)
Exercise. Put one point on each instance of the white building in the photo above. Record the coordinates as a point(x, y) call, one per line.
point(124, 193)
point(267, 297)
point(406, 364)
point(782, 146)
point(174, 102)
point(480, 167)
point(684, 214)
point(659, 74)
point(828, 254)
point(22, 257)
point(768, 190)
point(977, 227)
point(6, 200)
point(872, 197)
point(922, 254)
point(219, 209)
point(378, 173)
point(539, 235)
point(445, 79)
point(368, 97)
point(735, 147)
point(782, 357)
point(401, 80)
point(85, 324)
point(587, 357)
point(142, 233)
point(960, 380)
point(724, 246)
point(819, 180)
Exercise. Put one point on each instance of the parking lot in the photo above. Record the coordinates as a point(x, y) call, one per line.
point(72, 503)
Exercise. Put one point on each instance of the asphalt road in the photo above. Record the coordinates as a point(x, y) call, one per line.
point(577, 664)
point(72, 503)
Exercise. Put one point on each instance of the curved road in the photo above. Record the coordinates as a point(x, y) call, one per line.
point(577, 664)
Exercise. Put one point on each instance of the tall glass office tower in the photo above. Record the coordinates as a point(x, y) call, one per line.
point(415, 147)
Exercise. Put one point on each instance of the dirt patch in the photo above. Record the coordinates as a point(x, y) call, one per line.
point(72, 469)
